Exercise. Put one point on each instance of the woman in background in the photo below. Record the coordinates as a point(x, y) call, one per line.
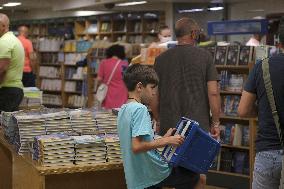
point(117, 92)
point(164, 35)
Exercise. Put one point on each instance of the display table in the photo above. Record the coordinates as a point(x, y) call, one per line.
point(20, 172)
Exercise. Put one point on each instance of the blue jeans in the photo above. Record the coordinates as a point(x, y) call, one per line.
point(267, 169)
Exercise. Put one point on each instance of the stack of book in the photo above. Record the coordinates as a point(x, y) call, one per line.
point(106, 122)
point(89, 149)
point(82, 121)
point(29, 126)
point(54, 150)
point(57, 122)
point(9, 124)
point(113, 148)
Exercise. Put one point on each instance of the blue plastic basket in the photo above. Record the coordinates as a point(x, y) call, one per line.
point(198, 150)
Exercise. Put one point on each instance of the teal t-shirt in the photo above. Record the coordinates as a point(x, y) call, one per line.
point(145, 169)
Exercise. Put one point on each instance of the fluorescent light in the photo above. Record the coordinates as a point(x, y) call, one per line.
point(215, 8)
point(12, 4)
point(190, 10)
point(130, 3)
point(85, 13)
point(1, 7)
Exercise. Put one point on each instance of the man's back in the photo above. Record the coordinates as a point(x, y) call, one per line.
point(183, 73)
point(267, 138)
point(11, 48)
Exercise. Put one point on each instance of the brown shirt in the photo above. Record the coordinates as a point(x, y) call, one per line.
point(183, 73)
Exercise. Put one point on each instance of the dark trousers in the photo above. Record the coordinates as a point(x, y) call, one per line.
point(28, 79)
point(180, 178)
point(10, 98)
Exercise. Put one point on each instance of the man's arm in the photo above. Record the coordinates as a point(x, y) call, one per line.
point(139, 145)
point(215, 105)
point(247, 106)
point(4, 63)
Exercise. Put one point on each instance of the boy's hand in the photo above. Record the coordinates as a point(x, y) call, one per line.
point(170, 132)
point(175, 140)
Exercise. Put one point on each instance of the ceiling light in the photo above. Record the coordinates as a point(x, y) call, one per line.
point(130, 3)
point(87, 13)
point(190, 10)
point(12, 4)
point(1, 7)
point(215, 8)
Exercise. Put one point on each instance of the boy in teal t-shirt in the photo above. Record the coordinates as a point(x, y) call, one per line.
point(143, 165)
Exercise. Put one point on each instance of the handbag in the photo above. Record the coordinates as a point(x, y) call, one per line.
point(103, 88)
point(271, 99)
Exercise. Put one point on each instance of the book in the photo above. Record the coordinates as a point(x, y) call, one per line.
point(226, 160)
point(246, 55)
point(237, 137)
point(221, 55)
point(233, 55)
point(239, 162)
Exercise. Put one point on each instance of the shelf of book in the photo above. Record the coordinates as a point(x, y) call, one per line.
point(46, 64)
point(229, 173)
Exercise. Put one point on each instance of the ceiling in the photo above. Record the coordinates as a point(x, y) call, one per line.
point(62, 5)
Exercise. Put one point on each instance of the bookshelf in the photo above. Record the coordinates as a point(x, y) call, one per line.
point(237, 137)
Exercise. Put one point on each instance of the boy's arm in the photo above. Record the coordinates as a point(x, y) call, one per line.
point(139, 145)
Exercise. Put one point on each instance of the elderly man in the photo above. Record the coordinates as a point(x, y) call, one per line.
point(188, 83)
point(30, 60)
point(11, 67)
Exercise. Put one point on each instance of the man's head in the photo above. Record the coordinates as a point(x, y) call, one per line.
point(24, 31)
point(164, 34)
point(4, 24)
point(187, 31)
point(142, 80)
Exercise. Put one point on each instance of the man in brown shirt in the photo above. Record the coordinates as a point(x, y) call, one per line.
point(187, 83)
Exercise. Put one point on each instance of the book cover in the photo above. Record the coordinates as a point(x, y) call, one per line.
point(238, 162)
point(245, 136)
point(237, 135)
point(233, 55)
point(221, 55)
point(245, 55)
point(226, 160)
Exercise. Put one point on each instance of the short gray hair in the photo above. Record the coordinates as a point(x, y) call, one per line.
point(185, 26)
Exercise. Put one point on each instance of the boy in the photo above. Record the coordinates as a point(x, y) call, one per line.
point(143, 166)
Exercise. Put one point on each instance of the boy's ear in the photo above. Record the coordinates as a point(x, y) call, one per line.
point(139, 86)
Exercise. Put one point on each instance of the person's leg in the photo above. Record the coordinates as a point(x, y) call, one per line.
point(267, 169)
point(181, 178)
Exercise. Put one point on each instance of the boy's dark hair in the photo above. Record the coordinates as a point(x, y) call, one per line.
point(139, 73)
point(116, 50)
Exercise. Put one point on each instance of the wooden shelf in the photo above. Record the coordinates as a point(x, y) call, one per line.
point(232, 67)
point(230, 93)
point(50, 91)
point(229, 173)
point(45, 77)
point(72, 65)
point(54, 65)
point(135, 33)
point(119, 32)
point(235, 147)
point(234, 118)
point(73, 79)
point(106, 33)
point(73, 92)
